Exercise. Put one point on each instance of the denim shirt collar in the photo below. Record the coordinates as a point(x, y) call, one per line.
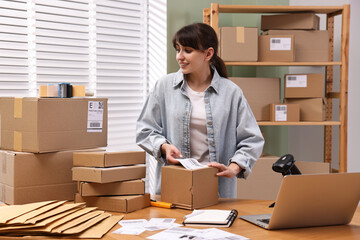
point(215, 82)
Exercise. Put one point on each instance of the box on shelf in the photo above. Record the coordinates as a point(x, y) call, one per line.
point(310, 46)
point(110, 174)
point(133, 187)
point(311, 109)
point(276, 48)
point(292, 21)
point(124, 204)
point(53, 124)
point(263, 183)
point(185, 188)
point(304, 85)
point(238, 44)
point(285, 112)
point(259, 92)
point(108, 159)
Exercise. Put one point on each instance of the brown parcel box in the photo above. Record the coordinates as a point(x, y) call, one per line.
point(53, 124)
point(260, 92)
point(29, 194)
point(300, 21)
point(124, 204)
point(276, 48)
point(108, 159)
point(263, 183)
point(106, 175)
point(189, 189)
point(311, 109)
point(310, 46)
point(238, 44)
point(284, 112)
point(304, 85)
point(114, 188)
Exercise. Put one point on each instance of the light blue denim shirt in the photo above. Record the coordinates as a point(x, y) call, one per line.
point(233, 133)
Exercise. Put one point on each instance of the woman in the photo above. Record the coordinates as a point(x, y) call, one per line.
point(197, 112)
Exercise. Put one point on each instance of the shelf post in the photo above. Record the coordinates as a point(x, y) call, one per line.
point(214, 17)
point(206, 16)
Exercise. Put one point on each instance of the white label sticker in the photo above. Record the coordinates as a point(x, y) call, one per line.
point(296, 81)
point(280, 44)
point(280, 112)
point(95, 116)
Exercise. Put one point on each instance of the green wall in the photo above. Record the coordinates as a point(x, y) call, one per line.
point(181, 13)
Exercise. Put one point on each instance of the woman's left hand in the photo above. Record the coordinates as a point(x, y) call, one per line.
point(231, 171)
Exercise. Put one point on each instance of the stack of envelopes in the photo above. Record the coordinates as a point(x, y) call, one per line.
point(55, 218)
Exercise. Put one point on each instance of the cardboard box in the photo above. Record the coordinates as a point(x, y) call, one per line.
point(108, 159)
point(311, 109)
point(124, 204)
point(29, 194)
point(292, 21)
point(189, 189)
point(310, 46)
point(304, 85)
point(20, 169)
point(238, 44)
point(53, 124)
point(134, 187)
point(276, 48)
point(260, 92)
point(106, 175)
point(263, 183)
point(285, 112)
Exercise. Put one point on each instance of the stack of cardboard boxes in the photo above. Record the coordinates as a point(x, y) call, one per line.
point(111, 181)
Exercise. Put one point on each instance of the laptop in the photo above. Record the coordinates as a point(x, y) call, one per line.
point(312, 200)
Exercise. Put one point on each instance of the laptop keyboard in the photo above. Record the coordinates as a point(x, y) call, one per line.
point(265, 220)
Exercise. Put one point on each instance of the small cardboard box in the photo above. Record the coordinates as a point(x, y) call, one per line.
point(39, 193)
point(292, 21)
point(310, 46)
point(124, 204)
point(276, 48)
point(263, 183)
point(189, 189)
point(311, 109)
point(238, 44)
point(260, 92)
point(53, 124)
point(285, 112)
point(108, 159)
point(106, 175)
point(134, 187)
point(304, 85)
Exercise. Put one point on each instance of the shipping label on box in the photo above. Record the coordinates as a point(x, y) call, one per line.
point(133, 187)
point(108, 159)
point(304, 85)
point(276, 48)
point(285, 112)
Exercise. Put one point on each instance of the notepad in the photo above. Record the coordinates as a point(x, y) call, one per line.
point(211, 218)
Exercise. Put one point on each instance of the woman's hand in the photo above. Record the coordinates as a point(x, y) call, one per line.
point(231, 171)
point(171, 153)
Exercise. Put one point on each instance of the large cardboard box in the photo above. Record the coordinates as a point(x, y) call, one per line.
point(238, 44)
point(292, 21)
point(276, 48)
point(133, 187)
point(108, 159)
point(106, 175)
point(53, 124)
point(124, 204)
point(189, 189)
point(304, 85)
point(284, 112)
point(38, 193)
point(310, 46)
point(311, 109)
point(264, 184)
point(260, 93)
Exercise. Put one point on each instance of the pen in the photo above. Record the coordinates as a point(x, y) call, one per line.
point(161, 204)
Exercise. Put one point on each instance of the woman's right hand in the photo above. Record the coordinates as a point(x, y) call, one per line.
point(171, 152)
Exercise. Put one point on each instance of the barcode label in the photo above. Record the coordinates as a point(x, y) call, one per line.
point(296, 81)
point(280, 44)
point(280, 112)
point(95, 116)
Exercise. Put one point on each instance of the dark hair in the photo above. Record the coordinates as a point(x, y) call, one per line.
point(201, 36)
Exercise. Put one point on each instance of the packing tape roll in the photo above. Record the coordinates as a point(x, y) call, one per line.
point(18, 107)
point(17, 141)
point(240, 34)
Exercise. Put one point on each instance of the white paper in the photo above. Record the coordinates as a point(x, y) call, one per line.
point(180, 233)
point(95, 116)
point(296, 81)
point(130, 230)
point(134, 223)
point(208, 216)
point(280, 112)
point(280, 44)
point(190, 163)
point(155, 224)
point(214, 234)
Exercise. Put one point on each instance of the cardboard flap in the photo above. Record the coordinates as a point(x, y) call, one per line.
point(82, 227)
point(100, 229)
